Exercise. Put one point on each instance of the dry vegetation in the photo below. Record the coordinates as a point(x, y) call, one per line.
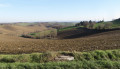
point(14, 44)
point(17, 30)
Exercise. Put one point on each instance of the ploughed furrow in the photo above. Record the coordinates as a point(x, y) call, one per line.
point(101, 41)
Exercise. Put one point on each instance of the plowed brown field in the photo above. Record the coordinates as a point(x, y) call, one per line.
point(102, 41)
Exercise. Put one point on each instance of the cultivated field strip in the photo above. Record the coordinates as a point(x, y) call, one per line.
point(102, 41)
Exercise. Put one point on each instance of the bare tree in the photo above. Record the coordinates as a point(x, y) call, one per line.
point(91, 26)
point(101, 26)
point(86, 24)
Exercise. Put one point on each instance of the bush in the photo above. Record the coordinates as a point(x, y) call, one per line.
point(101, 26)
point(67, 53)
point(87, 56)
point(7, 60)
point(34, 58)
point(99, 55)
point(78, 56)
point(41, 58)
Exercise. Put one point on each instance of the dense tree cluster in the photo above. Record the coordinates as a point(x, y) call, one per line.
point(99, 24)
point(87, 24)
point(101, 21)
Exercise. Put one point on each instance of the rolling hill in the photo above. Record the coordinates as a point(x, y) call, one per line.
point(102, 41)
point(18, 30)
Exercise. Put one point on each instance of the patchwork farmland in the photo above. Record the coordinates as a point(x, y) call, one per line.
point(18, 45)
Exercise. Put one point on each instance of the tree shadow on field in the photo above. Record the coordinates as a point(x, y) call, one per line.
point(82, 32)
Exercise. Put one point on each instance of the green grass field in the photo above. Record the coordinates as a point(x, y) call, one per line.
point(68, 28)
point(114, 25)
point(25, 24)
point(99, 59)
point(43, 33)
point(64, 65)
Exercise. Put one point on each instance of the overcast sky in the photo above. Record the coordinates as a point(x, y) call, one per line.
point(58, 10)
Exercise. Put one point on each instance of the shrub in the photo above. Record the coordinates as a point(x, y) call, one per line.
point(7, 60)
point(111, 56)
point(34, 58)
point(99, 55)
point(40, 58)
point(101, 26)
point(78, 56)
point(67, 53)
point(87, 56)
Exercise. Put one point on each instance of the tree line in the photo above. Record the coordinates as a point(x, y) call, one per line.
point(87, 24)
point(91, 24)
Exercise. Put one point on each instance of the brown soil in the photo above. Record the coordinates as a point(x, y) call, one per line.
point(101, 41)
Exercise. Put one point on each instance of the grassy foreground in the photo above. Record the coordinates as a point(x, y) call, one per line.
point(64, 65)
point(98, 59)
